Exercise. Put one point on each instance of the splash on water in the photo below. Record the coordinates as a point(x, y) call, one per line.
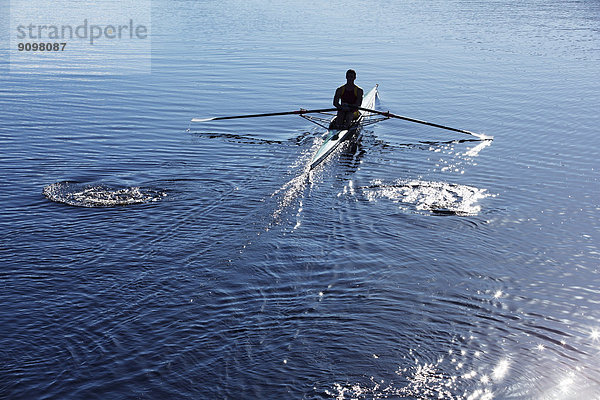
point(459, 159)
point(289, 192)
point(474, 151)
point(436, 197)
point(85, 195)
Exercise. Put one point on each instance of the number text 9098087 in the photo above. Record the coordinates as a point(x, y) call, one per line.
point(51, 46)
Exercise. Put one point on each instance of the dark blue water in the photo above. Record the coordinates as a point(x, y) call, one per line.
point(146, 257)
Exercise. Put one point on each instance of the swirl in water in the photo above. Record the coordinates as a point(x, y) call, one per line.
point(82, 195)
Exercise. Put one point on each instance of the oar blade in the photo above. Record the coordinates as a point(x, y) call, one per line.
point(202, 119)
point(483, 136)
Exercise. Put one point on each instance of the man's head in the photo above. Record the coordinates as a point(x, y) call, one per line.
point(350, 75)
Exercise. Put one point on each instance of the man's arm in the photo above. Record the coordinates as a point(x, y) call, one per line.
point(337, 99)
point(359, 97)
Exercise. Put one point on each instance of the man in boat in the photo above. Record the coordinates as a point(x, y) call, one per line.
point(347, 99)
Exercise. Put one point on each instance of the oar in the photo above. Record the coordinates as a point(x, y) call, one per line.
point(390, 115)
point(297, 112)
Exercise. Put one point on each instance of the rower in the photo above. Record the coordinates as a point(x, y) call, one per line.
point(347, 99)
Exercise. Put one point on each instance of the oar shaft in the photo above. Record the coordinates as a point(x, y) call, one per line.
point(418, 121)
point(296, 112)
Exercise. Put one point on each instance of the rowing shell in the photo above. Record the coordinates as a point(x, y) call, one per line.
point(334, 137)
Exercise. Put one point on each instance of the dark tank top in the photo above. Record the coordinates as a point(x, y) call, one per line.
point(349, 96)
